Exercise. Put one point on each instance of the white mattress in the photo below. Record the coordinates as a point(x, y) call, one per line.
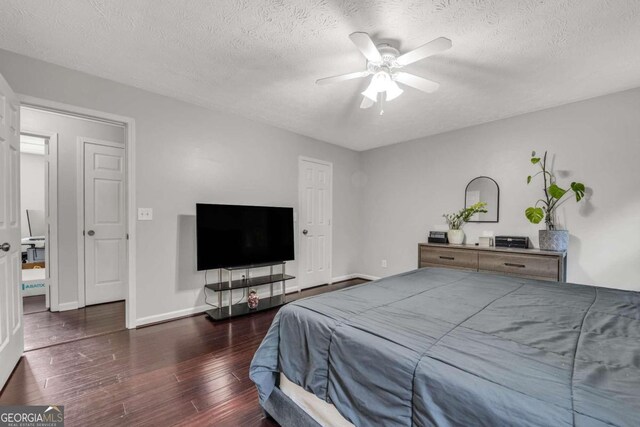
point(322, 412)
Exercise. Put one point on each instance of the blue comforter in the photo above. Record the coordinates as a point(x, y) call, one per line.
point(438, 347)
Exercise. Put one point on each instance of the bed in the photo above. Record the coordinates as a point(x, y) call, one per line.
point(441, 347)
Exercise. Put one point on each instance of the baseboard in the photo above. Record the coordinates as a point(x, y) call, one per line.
point(365, 276)
point(343, 278)
point(353, 276)
point(291, 289)
point(334, 280)
point(171, 315)
point(66, 306)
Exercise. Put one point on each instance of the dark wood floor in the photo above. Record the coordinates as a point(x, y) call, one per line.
point(191, 371)
point(34, 304)
point(45, 328)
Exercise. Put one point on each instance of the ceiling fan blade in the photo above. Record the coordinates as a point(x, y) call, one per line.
point(366, 46)
point(424, 51)
point(416, 82)
point(366, 102)
point(342, 77)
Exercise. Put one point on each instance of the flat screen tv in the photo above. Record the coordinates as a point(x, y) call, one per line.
point(233, 235)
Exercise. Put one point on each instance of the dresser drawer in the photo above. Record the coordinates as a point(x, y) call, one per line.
point(445, 257)
point(538, 267)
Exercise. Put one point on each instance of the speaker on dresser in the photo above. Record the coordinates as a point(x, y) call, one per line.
point(512, 242)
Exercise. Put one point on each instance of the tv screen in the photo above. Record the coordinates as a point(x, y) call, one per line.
point(232, 235)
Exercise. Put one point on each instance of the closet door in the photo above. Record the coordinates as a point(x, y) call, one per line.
point(315, 222)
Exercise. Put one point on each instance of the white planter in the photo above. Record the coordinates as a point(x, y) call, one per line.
point(553, 240)
point(455, 237)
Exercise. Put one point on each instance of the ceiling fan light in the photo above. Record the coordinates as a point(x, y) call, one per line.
point(393, 91)
point(381, 81)
point(371, 93)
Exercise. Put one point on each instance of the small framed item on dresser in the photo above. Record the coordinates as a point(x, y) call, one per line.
point(437, 237)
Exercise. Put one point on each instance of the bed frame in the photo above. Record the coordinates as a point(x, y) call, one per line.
point(285, 412)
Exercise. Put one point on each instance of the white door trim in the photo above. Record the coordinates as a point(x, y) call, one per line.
point(81, 141)
point(130, 152)
point(299, 226)
point(52, 245)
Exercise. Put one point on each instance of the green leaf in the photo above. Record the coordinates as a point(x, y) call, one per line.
point(534, 215)
point(535, 160)
point(529, 179)
point(556, 192)
point(578, 188)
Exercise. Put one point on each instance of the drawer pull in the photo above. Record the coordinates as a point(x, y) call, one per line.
point(509, 264)
point(450, 258)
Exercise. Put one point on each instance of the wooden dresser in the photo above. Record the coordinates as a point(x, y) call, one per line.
point(530, 263)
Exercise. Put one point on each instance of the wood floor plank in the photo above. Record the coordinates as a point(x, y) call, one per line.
point(191, 371)
point(34, 304)
point(44, 328)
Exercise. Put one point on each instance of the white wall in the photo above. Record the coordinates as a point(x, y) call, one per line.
point(410, 185)
point(68, 129)
point(187, 154)
point(31, 186)
point(385, 200)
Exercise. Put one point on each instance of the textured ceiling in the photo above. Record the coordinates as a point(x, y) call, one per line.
point(260, 58)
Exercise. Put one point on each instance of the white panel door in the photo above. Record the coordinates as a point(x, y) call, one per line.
point(104, 224)
point(315, 183)
point(50, 212)
point(11, 338)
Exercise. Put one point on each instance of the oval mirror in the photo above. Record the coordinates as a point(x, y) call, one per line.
point(483, 189)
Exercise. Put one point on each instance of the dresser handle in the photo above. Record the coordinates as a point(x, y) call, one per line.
point(450, 258)
point(508, 264)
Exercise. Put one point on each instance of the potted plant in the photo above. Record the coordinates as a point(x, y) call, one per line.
point(455, 221)
point(551, 239)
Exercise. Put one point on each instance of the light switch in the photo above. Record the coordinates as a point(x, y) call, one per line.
point(145, 214)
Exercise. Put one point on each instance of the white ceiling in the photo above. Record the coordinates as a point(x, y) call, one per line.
point(260, 58)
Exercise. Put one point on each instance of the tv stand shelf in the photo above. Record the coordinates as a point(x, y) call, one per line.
point(242, 308)
point(248, 283)
point(231, 309)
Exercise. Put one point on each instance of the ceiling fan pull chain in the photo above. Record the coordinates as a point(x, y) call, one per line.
point(381, 95)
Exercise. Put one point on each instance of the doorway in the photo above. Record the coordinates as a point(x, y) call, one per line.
point(127, 125)
point(39, 225)
point(76, 314)
point(315, 183)
point(13, 120)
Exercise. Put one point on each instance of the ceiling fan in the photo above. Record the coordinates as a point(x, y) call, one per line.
point(384, 63)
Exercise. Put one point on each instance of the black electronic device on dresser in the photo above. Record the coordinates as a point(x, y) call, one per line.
point(519, 242)
point(437, 237)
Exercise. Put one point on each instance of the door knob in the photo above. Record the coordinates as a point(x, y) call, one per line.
point(5, 246)
point(305, 232)
point(91, 232)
